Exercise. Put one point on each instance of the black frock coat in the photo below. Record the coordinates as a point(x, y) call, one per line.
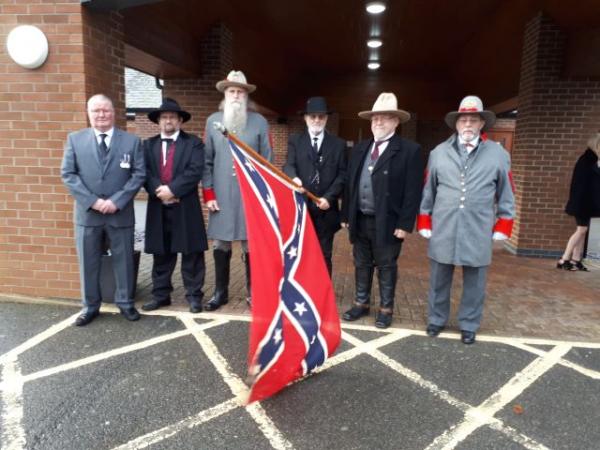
point(188, 231)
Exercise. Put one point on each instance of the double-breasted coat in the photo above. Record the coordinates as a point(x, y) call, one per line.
point(397, 180)
point(188, 231)
point(220, 181)
point(466, 199)
point(302, 162)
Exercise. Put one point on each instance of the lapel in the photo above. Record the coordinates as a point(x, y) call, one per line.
point(360, 159)
point(306, 144)
point(113, 152)
point(324, 146)
point(91, 142)
point(394, 145)
point(453, 152)
point(180, 145)
point(156, 149)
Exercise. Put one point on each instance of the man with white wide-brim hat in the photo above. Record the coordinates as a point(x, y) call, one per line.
point(221, 191)
point(381, 201)
point(467, 203)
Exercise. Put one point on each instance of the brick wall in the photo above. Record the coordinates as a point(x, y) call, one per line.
point(142, 126)
point(556, 116)
point(39, 107)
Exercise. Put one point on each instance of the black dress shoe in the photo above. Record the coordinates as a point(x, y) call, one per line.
point(355, 313)
point(130, 313)
point(196, 307)
point(467, 337)
point(434, 330)
point(155, 304)
point(84, 318)
point(214, 304)
point(383, 320)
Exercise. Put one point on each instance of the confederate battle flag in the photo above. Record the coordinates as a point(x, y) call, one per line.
point(295, 323)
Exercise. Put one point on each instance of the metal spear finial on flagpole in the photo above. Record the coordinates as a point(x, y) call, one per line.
point(257, 156)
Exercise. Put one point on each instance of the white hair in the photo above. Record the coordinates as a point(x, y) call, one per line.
point(99, 97)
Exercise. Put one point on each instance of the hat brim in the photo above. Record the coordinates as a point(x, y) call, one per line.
point(155, 115)
point(404, 116)
point(488, 116)
point(224, 84)
point(302, 113)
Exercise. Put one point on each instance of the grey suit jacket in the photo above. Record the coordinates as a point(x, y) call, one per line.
point(119, 179)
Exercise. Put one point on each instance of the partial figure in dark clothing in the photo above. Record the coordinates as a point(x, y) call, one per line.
point(583, 204)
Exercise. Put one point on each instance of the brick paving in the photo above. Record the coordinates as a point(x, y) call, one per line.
point(527, 297)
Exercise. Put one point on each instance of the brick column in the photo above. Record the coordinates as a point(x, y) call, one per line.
point(556, 116)
point(39, 107)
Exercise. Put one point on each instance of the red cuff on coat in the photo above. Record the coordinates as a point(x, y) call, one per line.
point(423, 222)
point(504, 226)
point(208, 194)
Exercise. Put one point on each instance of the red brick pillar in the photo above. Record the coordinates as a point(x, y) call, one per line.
point(39, 107)
point(556, 115)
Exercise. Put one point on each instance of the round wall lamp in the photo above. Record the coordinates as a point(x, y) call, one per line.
point(375, 7)
point(27, 46)
point(374, 43)
point(373, 65)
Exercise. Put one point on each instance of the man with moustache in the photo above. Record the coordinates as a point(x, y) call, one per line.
point(467, 203)
point(174, 223)
point(380, 205)
point(317, 159)
point(221, 191)
point(103, 168)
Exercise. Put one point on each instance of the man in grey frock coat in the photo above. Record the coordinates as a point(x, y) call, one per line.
point(221, 191)
point(467, 203)
point(103, 168)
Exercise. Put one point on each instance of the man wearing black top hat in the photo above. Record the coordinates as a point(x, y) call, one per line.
point(316, 160)
point(174, 223)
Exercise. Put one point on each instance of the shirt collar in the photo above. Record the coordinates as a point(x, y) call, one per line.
point(108, 133)
point(174, 136)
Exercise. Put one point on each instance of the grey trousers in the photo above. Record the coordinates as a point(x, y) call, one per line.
point(471, 302)
point(89, 242)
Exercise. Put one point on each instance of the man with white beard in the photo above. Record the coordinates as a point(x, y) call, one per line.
point(467, 203)
point(316, 159)
point(221, 191)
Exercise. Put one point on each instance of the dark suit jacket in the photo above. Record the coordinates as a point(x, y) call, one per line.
point(301, 162)
point(188, 234)
point(397, 180)
point(88, 180)
point(584, 195)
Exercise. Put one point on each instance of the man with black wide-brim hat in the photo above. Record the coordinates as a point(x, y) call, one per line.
point(316, 160)
point(174, 223)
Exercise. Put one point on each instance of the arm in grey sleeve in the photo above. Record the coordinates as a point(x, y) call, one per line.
point(504, 190)
point(70, 176)
point(430, 188)
point(209, 158)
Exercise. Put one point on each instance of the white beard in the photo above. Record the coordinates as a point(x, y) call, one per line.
point(235, 115)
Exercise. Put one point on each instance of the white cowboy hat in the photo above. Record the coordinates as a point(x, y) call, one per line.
point(235, 78)
point(386, 103)
point(471, 104)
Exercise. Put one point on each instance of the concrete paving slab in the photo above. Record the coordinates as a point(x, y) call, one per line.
point(113, 401)
point(21, 321)
point(359, 405)
point(471, 373)
point(560, 411)
point(365, 335)
point(107, 332)
point(488, 439)
point(587, 357)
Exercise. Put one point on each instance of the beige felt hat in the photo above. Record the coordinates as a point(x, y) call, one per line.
point(235, 78)
point(386, 103)
point(471, 104)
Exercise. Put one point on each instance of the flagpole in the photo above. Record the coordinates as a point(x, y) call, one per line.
point(220, 127)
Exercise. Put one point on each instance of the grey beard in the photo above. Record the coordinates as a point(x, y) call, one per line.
point(235, 118)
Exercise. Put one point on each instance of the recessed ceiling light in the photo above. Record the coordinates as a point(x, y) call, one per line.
point(374, 43)
point(375, 7)
point(373, 65)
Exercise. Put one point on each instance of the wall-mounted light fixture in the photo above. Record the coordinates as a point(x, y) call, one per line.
point(373, 65)
point(27, 46)
point(374, 43)
point(375, 7)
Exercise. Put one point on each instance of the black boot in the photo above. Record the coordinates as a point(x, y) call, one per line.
point(387, 287)
point(246, 259)
point(363, 277)
point(221, 295)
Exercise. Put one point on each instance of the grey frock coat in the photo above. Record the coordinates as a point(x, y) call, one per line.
point(465, 200)
point(219, 179)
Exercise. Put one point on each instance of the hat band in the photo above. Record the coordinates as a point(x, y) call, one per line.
point(468, 110)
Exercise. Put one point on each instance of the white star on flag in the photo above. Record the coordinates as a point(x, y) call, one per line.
point(277, 337)
point(300, 308)
point(293, 252)
point(271, 202)
point(250, 166)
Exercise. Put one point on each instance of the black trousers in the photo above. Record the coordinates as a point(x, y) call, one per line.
point(368, 254)
point(193, 268)
point(325, 237)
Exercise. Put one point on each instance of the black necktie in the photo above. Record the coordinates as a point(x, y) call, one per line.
point(316, 145)
point(103, 148)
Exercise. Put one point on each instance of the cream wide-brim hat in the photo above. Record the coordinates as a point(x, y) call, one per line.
point(471, 104)
point(235, 78)
point(386, 103)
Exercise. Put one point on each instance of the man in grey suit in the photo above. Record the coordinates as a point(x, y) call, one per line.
point(103, 168)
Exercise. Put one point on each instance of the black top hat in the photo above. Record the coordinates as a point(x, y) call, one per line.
point(316, 105)
point(169, 105)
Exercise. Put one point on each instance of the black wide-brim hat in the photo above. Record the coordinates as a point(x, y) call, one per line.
point(316, 105)
point(169, 105)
